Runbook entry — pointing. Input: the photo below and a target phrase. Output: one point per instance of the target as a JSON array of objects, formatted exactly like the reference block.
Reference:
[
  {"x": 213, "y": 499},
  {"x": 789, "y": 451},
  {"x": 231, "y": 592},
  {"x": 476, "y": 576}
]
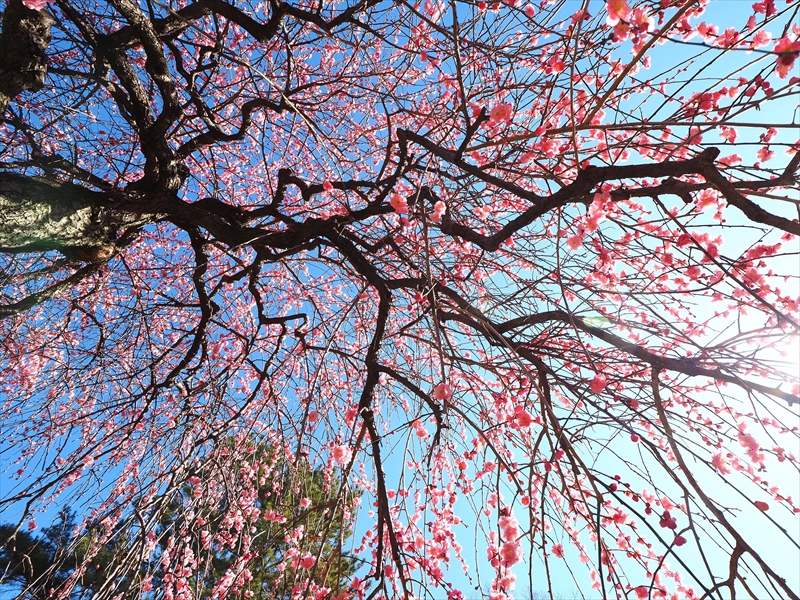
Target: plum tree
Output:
[{"x": 524, "y": 275}]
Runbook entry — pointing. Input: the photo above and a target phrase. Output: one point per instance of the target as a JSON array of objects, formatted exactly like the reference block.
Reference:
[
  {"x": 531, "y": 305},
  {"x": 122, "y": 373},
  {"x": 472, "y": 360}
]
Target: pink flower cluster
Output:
[
  {"x": 442, "y": 392},
  {"x": 36, "y": 4},
  {"x": 751, "y": 446},
  {"x": 438, "y": 211},
  {"x": 618, "y": 10},
  {"x": 341, "y": 454},
  {"x": 598, "y": 383},
  {"x": 720, "y": 462},
  {"x": 522, "y": 418},
  {"x": 788, "y": 51},
  {"x": 668, "y": 521},
  {"x": 500, "y": 114},
  {"x": 308, "y": 561},
  {"x": 419, "y": 428},
  {"x": 399, "y": 204},
  {"x": 626, "y": 21}
]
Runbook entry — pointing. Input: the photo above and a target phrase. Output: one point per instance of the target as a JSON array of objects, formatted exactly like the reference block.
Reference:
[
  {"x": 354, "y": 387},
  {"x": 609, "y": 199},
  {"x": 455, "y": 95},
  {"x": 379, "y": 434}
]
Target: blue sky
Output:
[{"x": 782, "y": 555}]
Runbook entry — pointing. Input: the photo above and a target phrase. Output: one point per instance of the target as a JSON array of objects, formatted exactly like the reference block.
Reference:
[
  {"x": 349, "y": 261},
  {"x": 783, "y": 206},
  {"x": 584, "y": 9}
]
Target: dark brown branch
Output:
[
  {"x": 751, "y": 210},
  {"x": 585, "y": 182}
]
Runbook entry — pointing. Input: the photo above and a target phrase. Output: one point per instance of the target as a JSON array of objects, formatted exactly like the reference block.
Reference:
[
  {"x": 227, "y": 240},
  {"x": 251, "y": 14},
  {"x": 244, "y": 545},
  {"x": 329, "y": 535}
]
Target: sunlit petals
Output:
[
  {"x": 788, "y": 51},
  {"x": 617, "y": 11},
  {"x": 720, "y": 462},
  {"x": 341, "y": 454},
  {"x": 598, "y": 383},
  {"x": 36, "y": 4}
]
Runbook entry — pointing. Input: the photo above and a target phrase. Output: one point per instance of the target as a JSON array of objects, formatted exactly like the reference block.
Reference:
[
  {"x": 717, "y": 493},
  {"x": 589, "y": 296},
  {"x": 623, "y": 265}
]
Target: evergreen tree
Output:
[
  {"x": 37, "y": 563},
  {"x": 292, "y": 496}
]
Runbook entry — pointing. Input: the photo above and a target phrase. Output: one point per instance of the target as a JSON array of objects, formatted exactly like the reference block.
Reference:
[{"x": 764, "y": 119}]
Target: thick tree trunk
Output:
[
  {"x": 23, "y": 42},
  {"x": 38, "y": 215}
]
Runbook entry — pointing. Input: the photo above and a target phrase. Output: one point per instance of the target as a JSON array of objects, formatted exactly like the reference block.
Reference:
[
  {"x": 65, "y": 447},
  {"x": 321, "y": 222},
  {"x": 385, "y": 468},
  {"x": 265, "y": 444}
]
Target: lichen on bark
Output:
[{"x": 40, "y": 215}]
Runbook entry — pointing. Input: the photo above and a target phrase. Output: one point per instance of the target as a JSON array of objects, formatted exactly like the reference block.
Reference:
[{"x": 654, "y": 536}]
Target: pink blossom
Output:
[
  {"x": 751, "y": 447},
  {"x": 350, "y": 416},
  {"x": 438, "y": 211},
  {"x": 581, "y": 15},
  {"x": 341, "y": 454},
  {"x": 761, "y": 39},
  {"x": 598, "y": 384},
  {"x": 510, "y": 554},
  {"x": 789, "y": 51},
  {"x": 762, "y": 506},
  {"x": 593, "y": 221},
  {"x": 667, "y": 521},
  {"x": 731, "y": 160},
  {"x": 308, "y": 561},
  {"x": 575, "y": 242},
  {"x": 443, "y": 392},
  {"x": 327, "y": 186},
  {"x": 642, "y": 592},
  {"x": 720, "y": 462},
  {"x": 481, "y": 212},
  {"x": 399, "y": 204},
  {"x": 530, "y": 11},
  {"x": 641, "y": 21},
  {"x": 622, "y": 31},
  {"x": 706, "y": 198},
  {"x": 558, "y": 550},
  {"x": 36, "y": 4},
  {"x": 521, "y": 417},
  {"x": 708, "y": 31},
  {"x": 509, "y": 528},
  {"x": 500, "y": 113},
  {"x": 618, "y": 10},
  {"x": 730, "y": 37}
]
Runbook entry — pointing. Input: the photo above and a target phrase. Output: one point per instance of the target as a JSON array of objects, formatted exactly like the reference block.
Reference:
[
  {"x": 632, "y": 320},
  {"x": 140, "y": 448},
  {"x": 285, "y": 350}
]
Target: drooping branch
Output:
[
  {"x": 741, "y": 543},
  {"x": 494, "y": 332},
  {"x": 48, "y": 293}
]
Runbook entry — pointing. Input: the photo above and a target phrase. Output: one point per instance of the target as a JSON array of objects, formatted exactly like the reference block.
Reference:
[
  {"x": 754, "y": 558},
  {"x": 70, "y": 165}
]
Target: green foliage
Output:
[
  {"x": 292, "y": 495},
  {"x": 37, "y": 563},
  {"x": 322, "y": 519}
]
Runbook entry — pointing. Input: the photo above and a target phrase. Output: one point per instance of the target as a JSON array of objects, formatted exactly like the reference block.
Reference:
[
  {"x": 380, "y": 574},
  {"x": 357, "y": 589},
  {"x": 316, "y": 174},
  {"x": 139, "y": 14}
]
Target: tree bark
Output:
[
  {"x": 23, "y": 43},
  {"x": 39, "y": 215}
]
